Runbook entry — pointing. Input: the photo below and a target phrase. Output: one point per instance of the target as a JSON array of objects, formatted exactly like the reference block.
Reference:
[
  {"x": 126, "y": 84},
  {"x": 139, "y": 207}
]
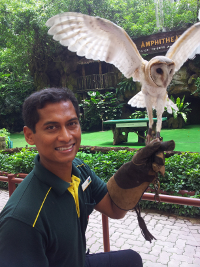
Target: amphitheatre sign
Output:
[{"x": 156, "y": 43}]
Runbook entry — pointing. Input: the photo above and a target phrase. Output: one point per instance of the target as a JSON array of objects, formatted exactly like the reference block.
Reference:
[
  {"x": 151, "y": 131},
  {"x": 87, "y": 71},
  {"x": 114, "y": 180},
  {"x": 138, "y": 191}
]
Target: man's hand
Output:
[{"x": 128, "y": 184}]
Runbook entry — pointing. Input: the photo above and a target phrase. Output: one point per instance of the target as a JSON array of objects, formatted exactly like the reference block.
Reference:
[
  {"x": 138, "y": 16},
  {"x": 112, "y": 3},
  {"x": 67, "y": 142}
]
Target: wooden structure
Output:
[
  {"x": 129, "y": 125},
  {"x": 95, "y": 82}
]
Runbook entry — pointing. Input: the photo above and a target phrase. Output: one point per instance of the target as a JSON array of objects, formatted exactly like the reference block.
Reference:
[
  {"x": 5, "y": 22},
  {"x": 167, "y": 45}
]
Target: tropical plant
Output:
[
  {"x": 29, "y": 57},
  {"x": 99, "y": 107},
  {"x": 125, "y": 85},
  {"x": 6, "y": 134},
  {"x": 197, "y": 83},
  {"x": 139, "y": 114},
  {"x": 182, "y": 172},
  {"x": 183, "y": 108}
]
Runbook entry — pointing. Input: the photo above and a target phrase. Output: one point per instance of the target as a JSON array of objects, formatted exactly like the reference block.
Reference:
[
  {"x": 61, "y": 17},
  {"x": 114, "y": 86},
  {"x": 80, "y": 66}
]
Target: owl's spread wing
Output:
[
  {"x": 185, "y": 46},
  {"x": 97, "y": 39}
]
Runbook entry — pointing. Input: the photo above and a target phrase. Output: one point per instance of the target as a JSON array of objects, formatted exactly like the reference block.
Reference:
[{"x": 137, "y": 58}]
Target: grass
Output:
[{"x": 186, "y": 139}]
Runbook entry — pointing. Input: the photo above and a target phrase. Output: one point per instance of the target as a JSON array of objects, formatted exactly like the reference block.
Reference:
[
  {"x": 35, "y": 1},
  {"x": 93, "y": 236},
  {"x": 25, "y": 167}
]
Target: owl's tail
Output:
[
  {"x": 169, "y": 104},
  {"x": 137, "y": 100}
]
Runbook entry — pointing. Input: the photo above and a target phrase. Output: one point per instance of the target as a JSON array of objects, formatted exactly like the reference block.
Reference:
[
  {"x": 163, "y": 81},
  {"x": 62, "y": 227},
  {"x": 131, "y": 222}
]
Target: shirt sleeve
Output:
[
  {"x": 21, "y": 245},
  {"x": 99, "y": 188}
]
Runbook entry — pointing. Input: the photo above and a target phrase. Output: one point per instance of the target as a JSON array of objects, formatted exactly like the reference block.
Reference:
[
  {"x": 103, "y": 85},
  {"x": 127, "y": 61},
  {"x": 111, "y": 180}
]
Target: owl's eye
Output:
[
  {"x": 170, "y": 72},
  {"x": 159, "y": 71}
]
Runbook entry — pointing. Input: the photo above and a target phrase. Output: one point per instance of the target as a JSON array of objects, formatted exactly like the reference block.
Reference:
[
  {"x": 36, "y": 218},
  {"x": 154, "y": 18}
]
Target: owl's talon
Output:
[
  {"x": 149, "y": 136},
  {"x": 148, "y": 139},
  {"x": 158, "y": 136}
]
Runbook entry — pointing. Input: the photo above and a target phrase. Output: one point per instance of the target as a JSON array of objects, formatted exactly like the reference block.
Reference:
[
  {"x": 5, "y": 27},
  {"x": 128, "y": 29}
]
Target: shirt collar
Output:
[{"x": 52, "y": 180}]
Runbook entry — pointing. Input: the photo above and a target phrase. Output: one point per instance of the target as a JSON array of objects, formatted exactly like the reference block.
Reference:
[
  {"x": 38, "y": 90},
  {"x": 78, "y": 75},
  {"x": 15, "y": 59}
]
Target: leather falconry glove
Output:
[{"x": 129, "y": 183}]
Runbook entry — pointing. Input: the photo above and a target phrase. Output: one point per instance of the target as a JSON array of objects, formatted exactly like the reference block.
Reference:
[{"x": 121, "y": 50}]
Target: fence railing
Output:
[{"x": 97, "y": 81}]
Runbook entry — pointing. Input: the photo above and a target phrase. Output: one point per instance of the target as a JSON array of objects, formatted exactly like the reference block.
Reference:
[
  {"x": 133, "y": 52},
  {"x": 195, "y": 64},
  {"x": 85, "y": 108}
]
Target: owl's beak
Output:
[{"x": 165, "y": 82}]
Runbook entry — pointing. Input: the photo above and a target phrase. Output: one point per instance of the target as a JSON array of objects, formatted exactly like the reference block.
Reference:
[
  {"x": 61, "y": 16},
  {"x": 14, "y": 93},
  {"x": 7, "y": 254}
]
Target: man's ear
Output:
[{"x": 29, "y": 135}]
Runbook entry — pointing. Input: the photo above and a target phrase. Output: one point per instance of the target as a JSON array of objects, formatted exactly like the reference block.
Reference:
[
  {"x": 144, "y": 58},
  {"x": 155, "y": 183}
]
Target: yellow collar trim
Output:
[{"x": 73, "y": 189}]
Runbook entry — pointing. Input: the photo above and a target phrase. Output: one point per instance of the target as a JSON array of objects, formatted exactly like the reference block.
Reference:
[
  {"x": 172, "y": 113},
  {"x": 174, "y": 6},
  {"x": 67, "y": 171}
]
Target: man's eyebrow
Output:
[{"x": 55, "y": 122}]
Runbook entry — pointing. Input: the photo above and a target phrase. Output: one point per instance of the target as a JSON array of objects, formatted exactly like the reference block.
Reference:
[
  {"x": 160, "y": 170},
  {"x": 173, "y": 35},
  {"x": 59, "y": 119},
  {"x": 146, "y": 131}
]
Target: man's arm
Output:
[{"x": 107, "y": 207}]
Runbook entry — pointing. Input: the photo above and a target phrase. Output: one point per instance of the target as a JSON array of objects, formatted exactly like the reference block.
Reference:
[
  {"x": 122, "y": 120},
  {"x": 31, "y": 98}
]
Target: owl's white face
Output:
[{"x": 161, "y": 71}]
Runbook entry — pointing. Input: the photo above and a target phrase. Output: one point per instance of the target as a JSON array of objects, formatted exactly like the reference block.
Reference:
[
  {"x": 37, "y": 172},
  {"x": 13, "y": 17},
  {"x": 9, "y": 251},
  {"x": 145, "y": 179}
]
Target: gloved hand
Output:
[{"x": 129, "y": 183}]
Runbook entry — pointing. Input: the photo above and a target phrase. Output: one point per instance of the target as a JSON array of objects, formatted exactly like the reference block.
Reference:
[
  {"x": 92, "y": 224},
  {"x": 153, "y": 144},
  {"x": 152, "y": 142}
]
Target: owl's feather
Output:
[
  {"x": 185, "y": 46},
  {"x": 98, "y": 39}
]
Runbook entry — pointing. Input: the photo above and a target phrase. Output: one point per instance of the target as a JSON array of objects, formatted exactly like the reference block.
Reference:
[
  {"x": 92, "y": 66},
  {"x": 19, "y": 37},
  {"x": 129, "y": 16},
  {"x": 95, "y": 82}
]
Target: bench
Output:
[{"x": 121, "y": 128}]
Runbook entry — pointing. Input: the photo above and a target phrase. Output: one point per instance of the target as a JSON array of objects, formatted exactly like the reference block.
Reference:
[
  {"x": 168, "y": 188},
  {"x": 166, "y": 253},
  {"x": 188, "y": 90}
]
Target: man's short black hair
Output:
[{"x": 39, "y": 99}]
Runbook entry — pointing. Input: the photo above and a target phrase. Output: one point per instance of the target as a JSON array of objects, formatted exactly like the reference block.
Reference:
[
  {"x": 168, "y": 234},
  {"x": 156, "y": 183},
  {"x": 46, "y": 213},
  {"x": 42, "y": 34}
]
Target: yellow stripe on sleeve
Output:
[{"x": 41, "y": 207}]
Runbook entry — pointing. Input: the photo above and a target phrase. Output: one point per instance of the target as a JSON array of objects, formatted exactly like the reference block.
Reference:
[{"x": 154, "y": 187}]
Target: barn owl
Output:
[{"x": 100, "y": 39}]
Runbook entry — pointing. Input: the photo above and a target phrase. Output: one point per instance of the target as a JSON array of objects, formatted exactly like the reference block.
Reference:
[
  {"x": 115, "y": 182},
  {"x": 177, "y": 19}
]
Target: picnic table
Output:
[{"x": 121, "y": 128}]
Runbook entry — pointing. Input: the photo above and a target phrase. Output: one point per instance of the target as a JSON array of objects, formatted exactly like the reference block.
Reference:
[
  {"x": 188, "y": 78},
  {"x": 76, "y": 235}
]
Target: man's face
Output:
[{"x": 57, "y": 136}]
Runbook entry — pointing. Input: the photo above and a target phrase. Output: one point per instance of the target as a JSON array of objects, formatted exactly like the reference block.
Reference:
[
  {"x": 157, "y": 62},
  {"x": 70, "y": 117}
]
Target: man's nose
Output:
[{"x": 64, "y": 135}]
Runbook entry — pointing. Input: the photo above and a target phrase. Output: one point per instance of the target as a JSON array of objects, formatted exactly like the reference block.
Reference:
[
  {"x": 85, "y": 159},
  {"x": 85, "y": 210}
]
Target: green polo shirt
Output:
[{"x": 39, "y": 225}]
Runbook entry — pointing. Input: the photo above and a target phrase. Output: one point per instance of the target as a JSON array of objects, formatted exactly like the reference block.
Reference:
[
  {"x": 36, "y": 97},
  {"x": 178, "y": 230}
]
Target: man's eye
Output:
[
  {"x": 73, "y": 123},
  {"x": 50, "y": 127}
]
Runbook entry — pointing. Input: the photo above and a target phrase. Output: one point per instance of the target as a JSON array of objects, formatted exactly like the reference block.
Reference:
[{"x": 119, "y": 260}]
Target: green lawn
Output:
[{"x": 187, "y": 139}]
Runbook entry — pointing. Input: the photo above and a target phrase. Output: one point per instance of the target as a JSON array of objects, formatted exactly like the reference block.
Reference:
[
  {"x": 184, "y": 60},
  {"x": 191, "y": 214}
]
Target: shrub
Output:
[
  {"x": 98, "y": 107},
  {"x": 6, "y": 134},
  {"x": 22, "y": 161},
  {"x": 182, "y": 173}
]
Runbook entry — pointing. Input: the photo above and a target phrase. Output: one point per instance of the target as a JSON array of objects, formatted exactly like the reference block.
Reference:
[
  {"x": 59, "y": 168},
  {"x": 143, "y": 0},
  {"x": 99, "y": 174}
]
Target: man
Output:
[{"x": 44, "y": 222}]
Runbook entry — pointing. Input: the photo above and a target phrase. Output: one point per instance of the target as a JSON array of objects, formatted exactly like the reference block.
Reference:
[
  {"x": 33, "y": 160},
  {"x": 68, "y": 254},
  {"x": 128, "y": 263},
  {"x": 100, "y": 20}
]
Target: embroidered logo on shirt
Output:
[{"x": 86, "y": 183}]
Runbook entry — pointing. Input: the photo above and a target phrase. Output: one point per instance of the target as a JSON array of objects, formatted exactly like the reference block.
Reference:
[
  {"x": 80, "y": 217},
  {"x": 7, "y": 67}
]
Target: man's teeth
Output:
[{"x": 64, "y": 148}]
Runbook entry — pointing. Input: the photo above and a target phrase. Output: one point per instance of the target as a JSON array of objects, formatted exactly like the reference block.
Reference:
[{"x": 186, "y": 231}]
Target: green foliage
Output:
[
  {"x": 4, "y": 132},
  {"x": 98, "y": 107},
  {"x": 26, "y": 50},
  {"x": 13, "y": 90},
  {"x": 125, "y": 85},
  {"x": 182, "y": 173},
  {"x": 105, "y": 165},
  {"x": 183, "y": 109},
  {"x": 20, "y": 162},
  {"x": 197, "y": 83},
  {"x": 139, "y": 114}
]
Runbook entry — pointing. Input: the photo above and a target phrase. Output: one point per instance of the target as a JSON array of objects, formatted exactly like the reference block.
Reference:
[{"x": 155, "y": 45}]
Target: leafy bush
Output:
[
  {"x": 105, "y": 165},
  {"x": 182, "y": 173},
  {"x": 139, "y": 114},
  {"x": 20, "y": 162},
  {"x": 6, "y": 134},
  {"x": 197, "y": 83},
  {"x": 125, "y": 85},
  {"x": 183, "y": 109},
  {"x": 98, "y": 107}
]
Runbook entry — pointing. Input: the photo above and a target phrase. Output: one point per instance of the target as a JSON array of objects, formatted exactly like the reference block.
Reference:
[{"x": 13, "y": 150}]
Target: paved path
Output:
[{"x": 177, "y": 244}]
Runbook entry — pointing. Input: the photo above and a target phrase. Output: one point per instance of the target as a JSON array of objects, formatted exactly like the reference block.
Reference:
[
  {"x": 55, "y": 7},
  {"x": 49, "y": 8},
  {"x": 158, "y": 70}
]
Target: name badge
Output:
[{"x": 86, "y": 183}]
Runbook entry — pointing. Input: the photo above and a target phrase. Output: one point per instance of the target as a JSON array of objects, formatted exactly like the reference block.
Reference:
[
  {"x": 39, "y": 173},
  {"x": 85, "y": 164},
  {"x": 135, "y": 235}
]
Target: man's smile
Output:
[{"x": 63, "y": 148}]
